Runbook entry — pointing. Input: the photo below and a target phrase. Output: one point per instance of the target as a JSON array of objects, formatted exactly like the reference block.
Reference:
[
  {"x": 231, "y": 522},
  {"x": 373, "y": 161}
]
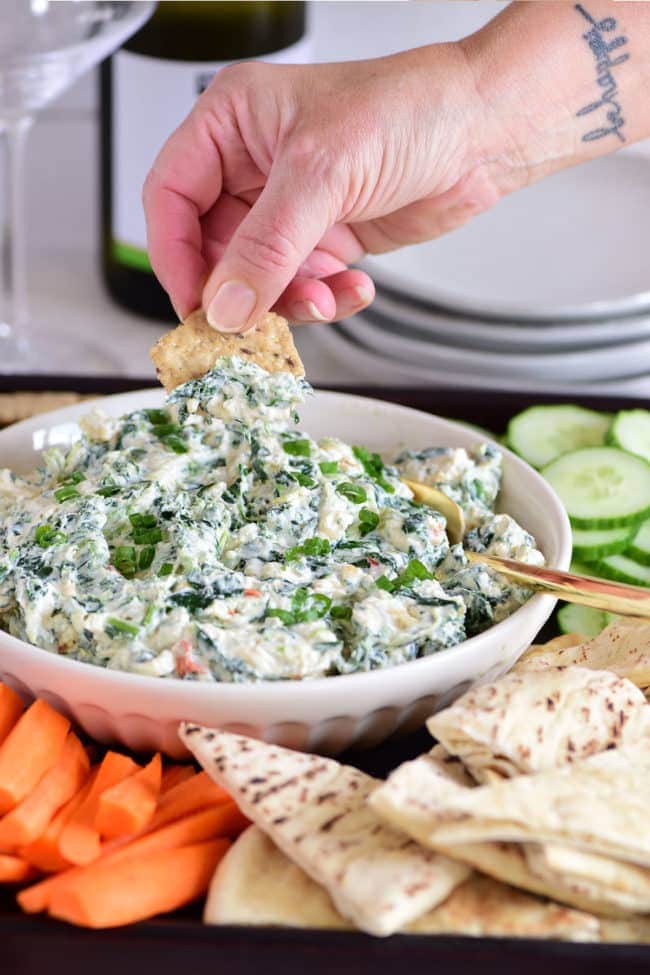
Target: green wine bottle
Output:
[{"x": 147, "y": 89}]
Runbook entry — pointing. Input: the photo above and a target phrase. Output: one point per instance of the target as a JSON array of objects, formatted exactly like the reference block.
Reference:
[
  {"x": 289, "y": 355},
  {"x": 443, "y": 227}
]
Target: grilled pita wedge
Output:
[
  {"x": 527, "y": 722},
  {"x": 623, "y": 647},
  {"x": 599, "y": 805},
  {"x": 256, "y": 884},
  {"x": 316, "y": 811},
  {"x": 417, "y": 788}
]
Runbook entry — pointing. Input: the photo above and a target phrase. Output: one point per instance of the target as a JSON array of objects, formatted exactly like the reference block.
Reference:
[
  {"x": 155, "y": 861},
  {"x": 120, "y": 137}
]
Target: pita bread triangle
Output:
[
  {"x": 316, "y": 811},
  {"x": 256, "y": 884},
  {"x": 527, "y": 722}
]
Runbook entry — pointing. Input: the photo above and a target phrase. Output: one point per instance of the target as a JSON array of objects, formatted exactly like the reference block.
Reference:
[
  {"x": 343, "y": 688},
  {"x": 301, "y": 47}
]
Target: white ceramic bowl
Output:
[{"x": 328, "y": 714}]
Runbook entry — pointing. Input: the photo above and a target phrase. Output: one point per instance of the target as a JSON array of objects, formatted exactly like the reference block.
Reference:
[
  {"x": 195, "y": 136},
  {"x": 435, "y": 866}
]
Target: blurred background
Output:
[{"x": 571, "y": 308}]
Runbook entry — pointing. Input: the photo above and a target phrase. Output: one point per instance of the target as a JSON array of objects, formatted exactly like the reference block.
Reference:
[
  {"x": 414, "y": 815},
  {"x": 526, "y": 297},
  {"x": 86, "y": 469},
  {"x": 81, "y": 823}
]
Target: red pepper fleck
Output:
[{"x": 252, "y": 592}]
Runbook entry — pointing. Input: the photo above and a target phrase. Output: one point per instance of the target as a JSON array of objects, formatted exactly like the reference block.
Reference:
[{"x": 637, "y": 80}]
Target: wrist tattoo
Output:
[{"x": 607, "y": 104}]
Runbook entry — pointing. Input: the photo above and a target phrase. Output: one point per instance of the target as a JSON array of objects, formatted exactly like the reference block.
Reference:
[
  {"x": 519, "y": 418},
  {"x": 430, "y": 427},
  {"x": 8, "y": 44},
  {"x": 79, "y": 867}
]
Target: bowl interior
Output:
[
  {"x": 327, "y": 714},
  {"x": 379, "y": 425}
]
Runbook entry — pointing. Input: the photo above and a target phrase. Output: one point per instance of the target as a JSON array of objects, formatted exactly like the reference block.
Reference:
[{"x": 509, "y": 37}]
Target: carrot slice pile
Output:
[
  {"x": 118, "y": 842},
  {"x": 31, "y": 748},
  {"x": 110, "y": 894},
  {"x": 80, "y": 841},
  {"x": 30, "y": 818},
  {"x": 11, "y": 708},
  {"x": 128, "y": 806}
]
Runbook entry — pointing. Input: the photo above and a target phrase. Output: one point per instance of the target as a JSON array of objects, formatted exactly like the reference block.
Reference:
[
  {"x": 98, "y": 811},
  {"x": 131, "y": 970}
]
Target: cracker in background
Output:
[
  {"x": 21, "y": 405},
  {"x": 192, "y": 348}
]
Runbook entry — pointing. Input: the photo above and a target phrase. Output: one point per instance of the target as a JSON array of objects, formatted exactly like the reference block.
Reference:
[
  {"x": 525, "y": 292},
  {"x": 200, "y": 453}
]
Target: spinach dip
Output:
[{"x": 212, "y": 540}]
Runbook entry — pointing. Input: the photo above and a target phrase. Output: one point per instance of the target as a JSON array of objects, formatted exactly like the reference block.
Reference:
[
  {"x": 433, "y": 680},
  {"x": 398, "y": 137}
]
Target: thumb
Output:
[{"x": 282, "y": 228}]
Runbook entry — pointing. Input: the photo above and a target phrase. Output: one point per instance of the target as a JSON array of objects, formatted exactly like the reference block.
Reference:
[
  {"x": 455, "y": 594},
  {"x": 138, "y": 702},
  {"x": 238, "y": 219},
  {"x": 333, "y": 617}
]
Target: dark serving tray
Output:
[{"x": 37, "y": 945}]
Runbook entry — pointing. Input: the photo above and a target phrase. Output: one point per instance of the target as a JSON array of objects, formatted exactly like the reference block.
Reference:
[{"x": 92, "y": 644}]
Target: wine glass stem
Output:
[{"x": 14, "y": 261}]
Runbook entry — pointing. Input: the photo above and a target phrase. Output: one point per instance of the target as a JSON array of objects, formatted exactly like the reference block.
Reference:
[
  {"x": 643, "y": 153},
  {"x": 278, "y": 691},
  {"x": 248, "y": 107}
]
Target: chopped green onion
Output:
[
  {"x": 148, "y": 536},
  {"x": 329, "y": 466},
  {"x": 148, "y": 616},
  {"x": 297, "y": 448},
  {"x": 124, "y": 560},
  {"x": 341, "y": 612},
  {"x": 45, "y": 536},
  {"x": 368, "y": 520},
  {"x": 164, "y": 429},
  {"x": 174, "y": 442},
  {"x": 143, "y": 521},
  {"x": 65, "y": 493},
  {"x": 165, "y": 569},
  {"x": 146, "y": 557},
  {"x": 74, "y": 478},
  {"x": 115, "y": 626},
  {"x": 109, "y": 490},
  {"x": 353, "y": 492},
  {"x": 156, "y": 417},
  {"x": 304, "y": 480}
]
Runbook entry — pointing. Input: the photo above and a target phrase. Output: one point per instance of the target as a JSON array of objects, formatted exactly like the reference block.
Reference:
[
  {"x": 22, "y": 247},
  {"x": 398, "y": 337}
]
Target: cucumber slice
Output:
[
  {"x": 581, "y": 569},
  {"x": 584, "y": 620},
  {"x": 623, "y": 569},
  {"x": 631, "y": 431},
  {"x": 639, "y": 547},
  {"x": 592, "y": 544},
  {"x": 601, "y": 487},
  {"x": 542, "y": 433}
]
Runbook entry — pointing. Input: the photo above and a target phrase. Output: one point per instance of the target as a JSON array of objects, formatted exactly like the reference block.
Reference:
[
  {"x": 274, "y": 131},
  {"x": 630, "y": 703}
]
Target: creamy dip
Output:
[{"x": 213, "y": 540}]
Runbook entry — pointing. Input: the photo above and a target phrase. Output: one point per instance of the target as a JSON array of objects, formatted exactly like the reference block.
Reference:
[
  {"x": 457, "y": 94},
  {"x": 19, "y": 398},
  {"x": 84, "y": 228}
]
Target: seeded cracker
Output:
[{"x": 191, "y": 349}]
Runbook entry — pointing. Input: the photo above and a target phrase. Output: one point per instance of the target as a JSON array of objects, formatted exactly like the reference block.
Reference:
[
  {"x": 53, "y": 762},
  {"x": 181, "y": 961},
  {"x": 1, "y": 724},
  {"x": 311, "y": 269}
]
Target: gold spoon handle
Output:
[{"x": 611, "y": 597}]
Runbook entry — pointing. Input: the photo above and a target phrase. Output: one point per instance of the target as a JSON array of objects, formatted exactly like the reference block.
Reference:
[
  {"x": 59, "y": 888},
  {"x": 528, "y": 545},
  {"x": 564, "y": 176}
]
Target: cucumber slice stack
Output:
[
  {"x": 601, "y": 487},
  {"x": 584, "y": 620},
  {"x": 599, "y": 465},
  {"x": 542, "y": 433}
]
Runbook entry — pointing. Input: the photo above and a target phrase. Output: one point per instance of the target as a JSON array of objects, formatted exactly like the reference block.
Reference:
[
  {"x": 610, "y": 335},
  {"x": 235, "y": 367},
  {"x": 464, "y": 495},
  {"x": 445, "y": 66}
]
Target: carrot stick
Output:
[
  {"x": 187, "y": 797},
  {"x": 31, "y": 748},
  {"x": 14, "y": 870},
  {"x": 29, "y": 819},
  {"x": 174, "y": 775},
  {"x": 44, "y": 853},
  {"x": 127, "y": 807},
  {"x": 79, "y": 841},
  {"x": 11, "y": 708},
  {"x": 219, "y": 821},
  {"x": 111, "y": 894}
]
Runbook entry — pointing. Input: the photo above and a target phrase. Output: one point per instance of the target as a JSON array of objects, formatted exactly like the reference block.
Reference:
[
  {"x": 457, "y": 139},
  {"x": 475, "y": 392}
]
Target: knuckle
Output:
[{"x": 267, "y": 249}]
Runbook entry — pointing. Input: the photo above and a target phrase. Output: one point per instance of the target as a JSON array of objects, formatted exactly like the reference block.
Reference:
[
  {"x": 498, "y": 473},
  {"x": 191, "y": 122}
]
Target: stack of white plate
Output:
[{"x": 550, "y": 289}]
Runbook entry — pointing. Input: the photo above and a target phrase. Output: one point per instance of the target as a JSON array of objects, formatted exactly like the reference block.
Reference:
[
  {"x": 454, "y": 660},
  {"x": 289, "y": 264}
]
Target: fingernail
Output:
[
  {"x": 364, "y": 294},
  {"x": 306, "y": 311},
  {"x": 231, "y": 307}
]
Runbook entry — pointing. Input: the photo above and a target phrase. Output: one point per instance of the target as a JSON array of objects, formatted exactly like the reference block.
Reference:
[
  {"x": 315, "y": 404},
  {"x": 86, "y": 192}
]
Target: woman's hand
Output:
[{"x": 282, "y": 176}]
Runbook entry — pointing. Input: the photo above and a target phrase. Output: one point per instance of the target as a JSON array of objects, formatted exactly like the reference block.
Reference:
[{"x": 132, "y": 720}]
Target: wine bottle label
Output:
[{"x": 151, "y": 97}]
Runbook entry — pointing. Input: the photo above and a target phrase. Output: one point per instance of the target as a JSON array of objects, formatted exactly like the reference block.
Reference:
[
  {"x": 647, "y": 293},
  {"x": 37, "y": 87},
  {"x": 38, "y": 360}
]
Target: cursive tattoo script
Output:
[{"x": 602, "y": 50}]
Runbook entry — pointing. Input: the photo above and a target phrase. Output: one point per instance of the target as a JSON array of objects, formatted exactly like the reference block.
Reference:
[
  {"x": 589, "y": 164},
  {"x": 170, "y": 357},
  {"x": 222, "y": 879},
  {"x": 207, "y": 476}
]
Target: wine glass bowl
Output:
[{"x": 45, "y": 45}]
